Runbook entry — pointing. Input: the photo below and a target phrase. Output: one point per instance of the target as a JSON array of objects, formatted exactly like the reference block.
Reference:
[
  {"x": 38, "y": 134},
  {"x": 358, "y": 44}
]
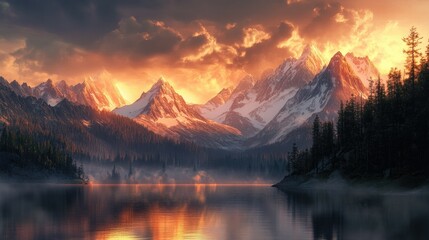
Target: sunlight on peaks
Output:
[
  {"x": 124, "y": 90},
  {"x": 384, "y": 46},
  {"x": 295, "y": 44}
]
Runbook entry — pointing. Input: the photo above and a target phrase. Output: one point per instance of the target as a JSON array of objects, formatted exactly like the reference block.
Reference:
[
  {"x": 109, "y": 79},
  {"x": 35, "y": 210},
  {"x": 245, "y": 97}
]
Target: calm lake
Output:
[{"x": 207, "y": 212}]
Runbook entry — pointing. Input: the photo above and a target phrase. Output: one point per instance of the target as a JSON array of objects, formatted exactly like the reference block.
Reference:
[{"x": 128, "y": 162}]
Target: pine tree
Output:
[
  {"x": 425, "y": 60},
  {"x": 413, "y": 54},
  {"x": 340, "y": 126},
  {"x": 316, "y": 149},
  {"x": 294, "y": 154}
]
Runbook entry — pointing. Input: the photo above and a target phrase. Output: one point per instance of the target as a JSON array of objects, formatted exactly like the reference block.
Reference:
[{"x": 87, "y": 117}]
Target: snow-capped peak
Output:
[
  {"x": 322, "y": 96},
  {"x": 48, "y": 92},
  {"x": 98, "y": 91},
  {"x": 161, "y": 101},
  {"x": 344, "y": 74},
  {"x": 161, "y": 80},
  {"x": 312, "y": 58},
  {"x": 246, "y": 83},
  {"x": 161, "y": 83},
  {"x": 220, "y": 98},
  {"x": 165, "y": 112},
  {"x": 363, "y": 68}
]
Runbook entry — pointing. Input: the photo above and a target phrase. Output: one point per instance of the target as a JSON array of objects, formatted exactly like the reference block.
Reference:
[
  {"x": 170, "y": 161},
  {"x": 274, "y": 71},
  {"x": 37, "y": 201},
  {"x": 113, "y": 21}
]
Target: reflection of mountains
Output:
[
  {"x": 361, "y": 215},
  {"x": 102, "y": 212},
  {"x": 54, "y": 213},
  {"x": 207, "y": 212}
]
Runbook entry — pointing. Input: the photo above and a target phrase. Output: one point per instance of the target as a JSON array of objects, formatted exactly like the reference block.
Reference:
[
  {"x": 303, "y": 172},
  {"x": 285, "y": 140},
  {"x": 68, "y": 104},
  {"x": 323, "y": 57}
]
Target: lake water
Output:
[{"x": 207, "y": 212}]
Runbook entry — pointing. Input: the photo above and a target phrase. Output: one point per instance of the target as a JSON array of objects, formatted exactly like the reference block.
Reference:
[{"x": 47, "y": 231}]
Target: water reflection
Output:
[
  {"x": 362, "y": 214},
  {"x": 206, "y": 212}
]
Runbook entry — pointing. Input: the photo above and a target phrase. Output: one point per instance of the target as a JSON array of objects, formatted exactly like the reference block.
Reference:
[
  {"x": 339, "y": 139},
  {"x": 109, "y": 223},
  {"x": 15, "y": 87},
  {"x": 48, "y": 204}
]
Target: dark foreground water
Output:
[{"x": 207, "y": 212}]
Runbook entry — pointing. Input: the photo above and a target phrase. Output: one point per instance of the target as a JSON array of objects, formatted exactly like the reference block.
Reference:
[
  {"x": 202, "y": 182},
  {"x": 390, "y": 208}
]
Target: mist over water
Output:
[
  {"x": 207, "y": 212},
  {"x": 141, "y": 174}
]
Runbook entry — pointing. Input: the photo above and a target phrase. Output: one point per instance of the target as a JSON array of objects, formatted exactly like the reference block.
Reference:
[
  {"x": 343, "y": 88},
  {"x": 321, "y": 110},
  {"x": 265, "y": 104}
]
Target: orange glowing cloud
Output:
[{"x": 199, "y": 47}]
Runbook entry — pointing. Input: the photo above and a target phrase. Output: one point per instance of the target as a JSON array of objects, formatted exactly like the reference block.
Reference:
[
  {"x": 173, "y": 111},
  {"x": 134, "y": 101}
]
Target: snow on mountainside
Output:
[
  {"x": 251, "y": 110},
  {"x": 217, "y": 107},
  {"x": 97, "y": 92},
  {"x": 337, "y": 83},
  {"x": 275, "y": 109},
  {"x": 363, "y": 68},
  {"x": 218, "y": 100},
  {"x": 48, "y": 92},
  {"x": 165, "y": 112}
]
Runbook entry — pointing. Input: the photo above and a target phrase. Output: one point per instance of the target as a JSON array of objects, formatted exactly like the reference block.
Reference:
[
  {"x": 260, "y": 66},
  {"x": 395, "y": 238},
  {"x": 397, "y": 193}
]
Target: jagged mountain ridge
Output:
[
  {"x": 235, "y": 111},
  {"x": 97, "y": 92},
  {"x": 217, "y": 107},
  {"x": 251, "y": 110},
  {"x": 337, "y": 83},
  {"x": 363, "y": 68},
  {"x": 165, "y": 112},
  {"x": 80, "y": 129}
]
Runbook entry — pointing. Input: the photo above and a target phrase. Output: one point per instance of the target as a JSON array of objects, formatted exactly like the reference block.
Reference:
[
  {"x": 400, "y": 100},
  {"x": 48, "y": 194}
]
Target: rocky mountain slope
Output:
[
  {"x": 97, "y": 91},
  {"x": 257, "y": 104},
  {"x": 337, "y": 83},
  {"x": 165, "y": 112}
]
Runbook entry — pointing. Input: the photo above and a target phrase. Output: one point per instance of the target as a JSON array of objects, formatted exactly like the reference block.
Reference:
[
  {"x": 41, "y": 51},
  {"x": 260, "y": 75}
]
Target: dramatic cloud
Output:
[
  {"x": 266, "y": 52},
  {"x": 200, "y": 46}
]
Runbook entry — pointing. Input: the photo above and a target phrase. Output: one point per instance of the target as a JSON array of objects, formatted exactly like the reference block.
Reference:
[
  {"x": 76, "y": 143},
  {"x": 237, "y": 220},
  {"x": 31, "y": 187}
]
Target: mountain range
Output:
[
  {"x": 253, "y": 106},
  {"x": 165, "y": 112},
  {"x": 277, "y": 108},
  {"x": 95, "y": 91}
]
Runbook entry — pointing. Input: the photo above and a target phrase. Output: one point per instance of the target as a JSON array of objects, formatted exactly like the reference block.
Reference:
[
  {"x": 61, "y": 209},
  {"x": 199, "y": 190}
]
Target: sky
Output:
[{"x": 198, "y": 46}]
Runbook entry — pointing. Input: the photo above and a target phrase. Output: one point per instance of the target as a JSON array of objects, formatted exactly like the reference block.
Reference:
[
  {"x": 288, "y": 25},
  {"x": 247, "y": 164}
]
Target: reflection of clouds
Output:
[{"x": 199, "y": 211}]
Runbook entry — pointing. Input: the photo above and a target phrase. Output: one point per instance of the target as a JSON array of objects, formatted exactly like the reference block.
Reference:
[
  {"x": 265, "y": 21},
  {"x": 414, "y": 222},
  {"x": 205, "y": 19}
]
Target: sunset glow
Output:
[
  {"x": 214, "y": 119},
  {"x": 198, "y": 51}
]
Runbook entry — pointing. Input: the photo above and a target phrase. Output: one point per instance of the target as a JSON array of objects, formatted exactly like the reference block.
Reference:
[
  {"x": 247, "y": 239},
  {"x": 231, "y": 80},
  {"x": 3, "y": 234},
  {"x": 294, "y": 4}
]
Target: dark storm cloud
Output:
[
  {"x": 329, "y": 18},
  {"x": 64, "y": 32},
  {"x": 141, "y": 39},
  {"x": 84, "y": 22},
  {"x": 193, "y": 43},
  {"x": 220, "y": 11},
  {"x": 44, "y": 54},
  {"x": 267, "y": 50},
  {"x": 77, "y": 21},
  {"x": 232, "y": 34}
]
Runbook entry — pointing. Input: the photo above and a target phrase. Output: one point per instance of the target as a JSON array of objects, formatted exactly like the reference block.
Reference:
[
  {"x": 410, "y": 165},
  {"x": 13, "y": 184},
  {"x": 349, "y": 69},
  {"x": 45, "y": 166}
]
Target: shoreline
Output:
[{"x": 335, "y": 182}]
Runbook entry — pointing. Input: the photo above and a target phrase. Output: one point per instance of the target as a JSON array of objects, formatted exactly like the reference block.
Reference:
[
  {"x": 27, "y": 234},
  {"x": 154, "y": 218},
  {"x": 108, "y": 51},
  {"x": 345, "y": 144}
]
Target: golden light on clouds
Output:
[
  {"x": 203, "y": 47},
  {"x": 254, "y": 35},
  {"x": 295, "y": 43},
  {"x": 382, "y": 44}
]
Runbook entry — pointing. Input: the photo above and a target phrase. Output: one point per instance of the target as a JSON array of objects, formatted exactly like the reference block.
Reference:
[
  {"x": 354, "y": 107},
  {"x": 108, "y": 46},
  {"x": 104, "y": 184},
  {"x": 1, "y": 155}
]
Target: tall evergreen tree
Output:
[
  {"x": 413, "y": 40},
  {"x": 317, "y": 146},
  {"x": 427, "y": 53}
]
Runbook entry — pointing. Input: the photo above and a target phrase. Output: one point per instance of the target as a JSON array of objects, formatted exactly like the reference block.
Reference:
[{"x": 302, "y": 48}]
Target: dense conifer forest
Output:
[
  {"x": 384, "y": 135},
  {"x": 34, "y": 156}
]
